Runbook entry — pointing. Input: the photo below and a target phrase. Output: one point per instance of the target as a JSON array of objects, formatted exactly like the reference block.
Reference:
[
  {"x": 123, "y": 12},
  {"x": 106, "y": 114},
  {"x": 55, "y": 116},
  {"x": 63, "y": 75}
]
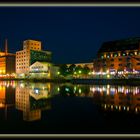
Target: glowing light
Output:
[
  {"x": 80, "y": 71},
  {"x": 58, "y": 89},
  {"x": 67, "y": 89},
  {"x": 108, "y": 76},
  {"x": 80, "y": 90},
  {"x": 128, "y": 108},
  {"x": 58, "y": 72},
  {"x": 36, "y": 91},
  {"x": 124, "y": 107},
  {"x": 119, "y": 107},
  {"x": 105, "y": 106},
  {"x": 107, "y": 71},
  {"x": 136, "y": 109}
]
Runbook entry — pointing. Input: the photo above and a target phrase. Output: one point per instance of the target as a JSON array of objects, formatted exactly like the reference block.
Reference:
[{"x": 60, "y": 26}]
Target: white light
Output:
[{"x": 36, "y": 91}]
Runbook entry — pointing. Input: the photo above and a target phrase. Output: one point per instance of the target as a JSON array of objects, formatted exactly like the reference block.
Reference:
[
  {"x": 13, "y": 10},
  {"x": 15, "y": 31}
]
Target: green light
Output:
[
  {"x": 80, "y": 71},
  {"x": 58, "y": 89},
  {"x": 58, "y": 72},
  {"x": 75, "y": 72},
  {"x": 66, "y": 89}
]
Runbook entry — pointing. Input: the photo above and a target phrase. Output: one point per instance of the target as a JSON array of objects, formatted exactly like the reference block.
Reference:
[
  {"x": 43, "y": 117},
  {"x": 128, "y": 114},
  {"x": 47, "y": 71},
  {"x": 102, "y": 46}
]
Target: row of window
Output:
[
  {"x": 21, "y": 60},
  {"x": 19, "y": 53},
  {"x": 122, "y": 54},
  {"x": 22, "y": 56},
  {"x": 21, "y": 67},
  {"x": 21, "y": 64},
  {"x": 36, "y": 44},
  {"x": 35, "y": 48},
  {"x": 37, "y": 67},
  {"x": 112, "y": 60},
  {"x": 119, "y": 64}
]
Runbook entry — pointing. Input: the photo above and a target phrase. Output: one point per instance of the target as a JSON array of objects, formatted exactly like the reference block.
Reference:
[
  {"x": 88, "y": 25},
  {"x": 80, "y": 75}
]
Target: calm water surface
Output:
[{"x": 66, "y": 108}]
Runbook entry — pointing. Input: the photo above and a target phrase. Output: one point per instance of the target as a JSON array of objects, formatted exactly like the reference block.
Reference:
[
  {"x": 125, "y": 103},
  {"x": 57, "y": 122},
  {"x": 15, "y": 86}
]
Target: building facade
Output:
[
  {"x": 31, "y": 53},
  {"x": 118, "y": 55},
  {"x": 7, "y": 63}
]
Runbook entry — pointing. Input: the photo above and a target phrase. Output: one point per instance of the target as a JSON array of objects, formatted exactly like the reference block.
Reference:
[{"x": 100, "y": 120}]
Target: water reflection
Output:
[
  {"x": 109, "y": 97},
  {"x": 7, "y": 96},
  {"x": 33, "y": 98}
]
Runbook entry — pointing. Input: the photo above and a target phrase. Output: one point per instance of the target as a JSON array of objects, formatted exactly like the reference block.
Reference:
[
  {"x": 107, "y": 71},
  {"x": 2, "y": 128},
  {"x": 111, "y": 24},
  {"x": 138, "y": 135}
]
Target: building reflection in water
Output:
[
  {"x": 32, "y": 98},
  {"x": 7, "y": 96},
  {"x": 121, "y": 98},
  {"x": 110, "y": 97}
]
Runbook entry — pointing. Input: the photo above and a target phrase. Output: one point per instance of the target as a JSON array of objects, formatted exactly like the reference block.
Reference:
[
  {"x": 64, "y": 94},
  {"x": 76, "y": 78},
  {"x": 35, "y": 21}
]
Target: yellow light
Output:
[
  {"x": 107, "y": 71},
  {"x": 108, "y": 76}
]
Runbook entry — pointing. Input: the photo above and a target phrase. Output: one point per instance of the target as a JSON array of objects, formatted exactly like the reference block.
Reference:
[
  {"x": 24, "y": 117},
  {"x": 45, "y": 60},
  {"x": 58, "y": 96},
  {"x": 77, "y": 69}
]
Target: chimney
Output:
[{"x": 6, "y": 47}]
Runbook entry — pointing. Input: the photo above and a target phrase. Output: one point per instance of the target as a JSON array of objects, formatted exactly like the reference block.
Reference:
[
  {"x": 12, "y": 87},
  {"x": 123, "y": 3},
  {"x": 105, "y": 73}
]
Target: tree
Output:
[
  {"x": 79, "y": 70},
  {"x": 86, "y": 70},
  {"x": 72, "y": 68},
  {"x": 64, "y": 70}
]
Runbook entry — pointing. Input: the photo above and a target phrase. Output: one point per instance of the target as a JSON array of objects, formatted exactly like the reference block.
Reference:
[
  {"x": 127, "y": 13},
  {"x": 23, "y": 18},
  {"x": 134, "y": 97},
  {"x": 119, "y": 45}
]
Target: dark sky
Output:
[{"x": 73, "y": 34}]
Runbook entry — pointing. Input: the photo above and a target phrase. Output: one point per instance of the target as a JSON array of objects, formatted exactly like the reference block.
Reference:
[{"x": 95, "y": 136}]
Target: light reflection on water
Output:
[{"x": 32, "y": 98}]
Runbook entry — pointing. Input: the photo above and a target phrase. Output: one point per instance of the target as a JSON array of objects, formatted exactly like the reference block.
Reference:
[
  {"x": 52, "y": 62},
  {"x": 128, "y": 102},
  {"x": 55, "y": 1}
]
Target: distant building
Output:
[
  {"x": 30, "y": 54},
  {"x": 118, "y": 56},
  {"x": 7, "y": 62},
  {"x": 89, "y": 65}
]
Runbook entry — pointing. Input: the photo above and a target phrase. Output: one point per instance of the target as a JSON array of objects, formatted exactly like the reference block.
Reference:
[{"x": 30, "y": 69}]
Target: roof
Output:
[{"x": 120, "y": 45}]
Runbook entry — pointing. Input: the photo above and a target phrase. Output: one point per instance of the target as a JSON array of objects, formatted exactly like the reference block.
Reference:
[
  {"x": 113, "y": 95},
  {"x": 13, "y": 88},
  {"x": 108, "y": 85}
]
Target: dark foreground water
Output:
[{"x": 64, "y": 108}]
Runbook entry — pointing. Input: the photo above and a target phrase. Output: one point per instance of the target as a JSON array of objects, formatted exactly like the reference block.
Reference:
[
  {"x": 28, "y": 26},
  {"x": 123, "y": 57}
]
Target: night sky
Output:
[{"x": 73, "y": 34}]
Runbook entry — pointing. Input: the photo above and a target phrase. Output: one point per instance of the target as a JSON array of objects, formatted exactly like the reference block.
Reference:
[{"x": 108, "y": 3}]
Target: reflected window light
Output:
[
  {"x": 124, "y": 107},
  {"x": 111, "y": 106},
  {"x": 107, "y": 92},
  {"x": 128, "y": 108},
  {"x": 105, "y": 106},
  {"x": 116, "y": 107},
  {"x": 108, "y": 86},
  {"x": 119, "y": 107},
  {"x": 66, "y": 89},
  {"x": 92, "y": 89},
  {"x": 136, "y": 109},
  {"x": 36, "y": 91}
]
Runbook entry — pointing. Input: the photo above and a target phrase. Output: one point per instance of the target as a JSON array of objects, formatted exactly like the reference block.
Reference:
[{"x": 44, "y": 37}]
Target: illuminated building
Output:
[
  {"x": 118, "y": 56},
  {"x": 30, "y": 54},
  {"x": 43, "y": 70},
  {"x": 40, "y": 69},
  {"x": 7, "y": 62}
]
